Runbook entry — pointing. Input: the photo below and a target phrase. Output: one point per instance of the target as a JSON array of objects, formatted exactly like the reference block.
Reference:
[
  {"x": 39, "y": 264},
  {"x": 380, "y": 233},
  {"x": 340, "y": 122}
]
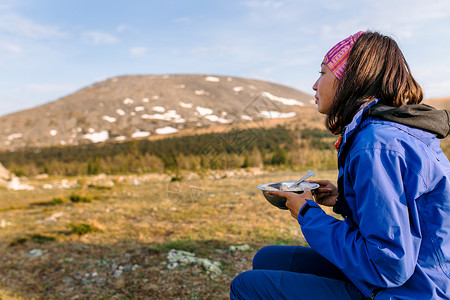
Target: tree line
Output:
[{"x": 239, "y": 148}]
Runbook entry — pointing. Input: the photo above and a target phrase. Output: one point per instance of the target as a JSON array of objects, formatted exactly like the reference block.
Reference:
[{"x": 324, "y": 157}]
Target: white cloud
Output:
[
  {"x": 123, "y": 28},
  {"x": 15, "y": 24},
  {"x": 400, "y": 19},
  {"x": 9, "y": 48},
  {"x": 262, "y": 3},
  {"x": 99, "y": 38},
  {"x": 138, "y": 51}
]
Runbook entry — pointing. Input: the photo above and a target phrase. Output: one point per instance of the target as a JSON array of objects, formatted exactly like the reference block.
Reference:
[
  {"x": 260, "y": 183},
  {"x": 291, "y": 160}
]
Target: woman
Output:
[{"x": 393, "y": 190}]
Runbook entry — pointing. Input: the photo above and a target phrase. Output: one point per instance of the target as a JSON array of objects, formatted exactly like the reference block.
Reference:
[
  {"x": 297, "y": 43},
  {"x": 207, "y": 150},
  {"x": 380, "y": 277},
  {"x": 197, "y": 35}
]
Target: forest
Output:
[{"x": 278, "y": 147}]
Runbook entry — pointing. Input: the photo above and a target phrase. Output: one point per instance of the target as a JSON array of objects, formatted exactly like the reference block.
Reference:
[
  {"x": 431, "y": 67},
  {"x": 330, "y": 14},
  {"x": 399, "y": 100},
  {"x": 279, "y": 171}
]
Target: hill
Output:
[
  {"x": 439, "y": 103},
  {"x": 149, "y": 106}
]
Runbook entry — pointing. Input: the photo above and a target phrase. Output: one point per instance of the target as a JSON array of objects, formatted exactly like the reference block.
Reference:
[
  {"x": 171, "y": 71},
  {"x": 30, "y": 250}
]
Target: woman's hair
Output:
[{"x": 376, "y": 68}]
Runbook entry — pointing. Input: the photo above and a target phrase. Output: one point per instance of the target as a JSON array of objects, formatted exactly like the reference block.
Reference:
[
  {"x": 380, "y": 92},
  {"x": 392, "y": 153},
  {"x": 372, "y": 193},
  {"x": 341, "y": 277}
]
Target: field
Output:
[{"x": 108, "y": 237}]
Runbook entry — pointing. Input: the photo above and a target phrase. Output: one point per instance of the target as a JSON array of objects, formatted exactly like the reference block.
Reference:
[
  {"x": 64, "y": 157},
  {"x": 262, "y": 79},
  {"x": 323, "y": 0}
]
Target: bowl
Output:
[{"x": 275, "y": 186}]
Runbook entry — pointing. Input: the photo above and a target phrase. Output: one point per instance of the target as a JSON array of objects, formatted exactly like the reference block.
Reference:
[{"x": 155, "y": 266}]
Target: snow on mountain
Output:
[{"x": 129, "y": 107}]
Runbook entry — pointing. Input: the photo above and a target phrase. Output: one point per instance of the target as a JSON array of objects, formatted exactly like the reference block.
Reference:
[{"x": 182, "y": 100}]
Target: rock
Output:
[
  {"x": 35, "y": 253},
  {"x": 16, "y": 185},
  {"x": 244, "y": 247},
  {"x": 4, "y": 223},
  {"x": 180, "y": 257},
  {"x": 4, "y": 173}
]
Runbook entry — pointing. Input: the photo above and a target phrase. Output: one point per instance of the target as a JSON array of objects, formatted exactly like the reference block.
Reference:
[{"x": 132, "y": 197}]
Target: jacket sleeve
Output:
[{"x": 382, "y": 249}]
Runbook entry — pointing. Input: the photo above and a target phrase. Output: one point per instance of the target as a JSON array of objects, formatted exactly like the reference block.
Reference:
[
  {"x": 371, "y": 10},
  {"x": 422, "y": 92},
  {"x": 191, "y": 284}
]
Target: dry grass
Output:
[{"x": 124, "y": 256}]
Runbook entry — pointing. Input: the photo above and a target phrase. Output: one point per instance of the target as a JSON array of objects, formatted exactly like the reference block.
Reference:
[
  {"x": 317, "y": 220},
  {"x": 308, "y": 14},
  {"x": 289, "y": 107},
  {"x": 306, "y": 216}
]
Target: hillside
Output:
[
  {"x": 439, "y": 103},
  {"x": 149, "y": 106}
]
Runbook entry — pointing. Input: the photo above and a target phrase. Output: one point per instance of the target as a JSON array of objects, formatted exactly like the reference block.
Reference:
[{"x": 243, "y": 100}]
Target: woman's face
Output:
[{"x": 325, "y": 88}]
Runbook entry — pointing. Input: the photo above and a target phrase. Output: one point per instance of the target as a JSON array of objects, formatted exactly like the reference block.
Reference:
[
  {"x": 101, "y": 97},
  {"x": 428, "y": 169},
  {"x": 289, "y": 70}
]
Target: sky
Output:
[{"x": 52, "y": 48}]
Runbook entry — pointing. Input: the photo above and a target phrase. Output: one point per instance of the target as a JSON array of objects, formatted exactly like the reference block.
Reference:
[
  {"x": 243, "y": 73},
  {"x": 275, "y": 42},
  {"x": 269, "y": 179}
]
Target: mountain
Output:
[
  {"x": 150, "y": 106},
  {"x": 439, "y": 103}
]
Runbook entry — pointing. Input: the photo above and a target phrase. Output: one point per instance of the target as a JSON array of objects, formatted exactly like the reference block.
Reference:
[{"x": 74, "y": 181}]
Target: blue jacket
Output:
[{"x": 394, "y": 182}]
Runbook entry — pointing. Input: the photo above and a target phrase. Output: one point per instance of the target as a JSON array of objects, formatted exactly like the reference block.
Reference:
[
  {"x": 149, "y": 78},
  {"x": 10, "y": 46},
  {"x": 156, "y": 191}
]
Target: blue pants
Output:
[{"x": 292, "y": 272}]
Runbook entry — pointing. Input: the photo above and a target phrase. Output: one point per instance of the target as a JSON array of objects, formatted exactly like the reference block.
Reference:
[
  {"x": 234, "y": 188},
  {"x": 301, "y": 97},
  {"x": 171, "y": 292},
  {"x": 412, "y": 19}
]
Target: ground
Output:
[{"x": 108, "y": 237}]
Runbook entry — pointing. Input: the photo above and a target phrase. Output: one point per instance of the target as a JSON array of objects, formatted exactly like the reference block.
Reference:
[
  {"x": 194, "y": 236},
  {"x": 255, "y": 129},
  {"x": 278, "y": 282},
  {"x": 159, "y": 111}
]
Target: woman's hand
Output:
[
  {"x": 326, "y": 194},
  {"x": 294, "y": 202}
]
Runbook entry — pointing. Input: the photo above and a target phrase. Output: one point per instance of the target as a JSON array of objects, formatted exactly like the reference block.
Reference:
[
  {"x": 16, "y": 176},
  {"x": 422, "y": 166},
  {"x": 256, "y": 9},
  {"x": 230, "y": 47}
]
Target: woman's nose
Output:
[{"x": 314, "y": 87}]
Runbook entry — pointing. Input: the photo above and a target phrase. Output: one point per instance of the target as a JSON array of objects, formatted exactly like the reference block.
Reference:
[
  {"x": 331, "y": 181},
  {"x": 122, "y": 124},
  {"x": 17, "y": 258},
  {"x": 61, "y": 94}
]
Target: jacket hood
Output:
[{"x": 420, "y": 116}]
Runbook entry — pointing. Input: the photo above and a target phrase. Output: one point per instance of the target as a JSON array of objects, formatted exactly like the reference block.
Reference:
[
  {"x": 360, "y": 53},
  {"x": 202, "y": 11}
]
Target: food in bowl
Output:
[{"x": 284, "y": 186}]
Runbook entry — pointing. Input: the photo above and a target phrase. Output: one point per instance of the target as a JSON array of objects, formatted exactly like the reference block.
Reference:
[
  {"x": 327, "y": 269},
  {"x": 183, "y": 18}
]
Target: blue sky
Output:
[{"x": 51, "y": 48}]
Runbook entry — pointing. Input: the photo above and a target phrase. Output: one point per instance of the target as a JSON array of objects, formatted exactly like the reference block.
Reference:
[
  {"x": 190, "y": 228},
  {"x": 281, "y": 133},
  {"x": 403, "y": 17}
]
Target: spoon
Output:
[{"x": 308, "y": 174}]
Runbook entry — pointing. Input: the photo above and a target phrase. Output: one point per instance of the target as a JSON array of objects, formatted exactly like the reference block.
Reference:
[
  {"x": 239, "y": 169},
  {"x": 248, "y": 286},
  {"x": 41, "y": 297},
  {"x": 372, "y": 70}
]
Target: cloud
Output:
[
  {"x": 123, "y": 28},
  {"x": 17, "y": 25},
  {"x": 262, "y": 4},
  {"x": 138, "y": 51},
  {"x": 99, "y": 38},
  {"x": 9, "y": 48}
]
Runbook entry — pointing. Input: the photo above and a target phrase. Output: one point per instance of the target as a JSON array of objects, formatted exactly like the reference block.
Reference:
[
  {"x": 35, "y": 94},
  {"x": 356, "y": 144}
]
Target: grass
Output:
[{"x": 115, "y": 247}]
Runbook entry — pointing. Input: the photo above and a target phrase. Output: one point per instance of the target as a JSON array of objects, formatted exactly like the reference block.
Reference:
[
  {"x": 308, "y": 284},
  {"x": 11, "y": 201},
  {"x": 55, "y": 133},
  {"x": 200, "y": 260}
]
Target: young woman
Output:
[{"x": 393, "y": 190}]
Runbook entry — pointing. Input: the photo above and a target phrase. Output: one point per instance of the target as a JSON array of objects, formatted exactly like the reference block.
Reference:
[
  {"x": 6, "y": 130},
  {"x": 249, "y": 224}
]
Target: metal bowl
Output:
[{"x": 275, "y": 186}]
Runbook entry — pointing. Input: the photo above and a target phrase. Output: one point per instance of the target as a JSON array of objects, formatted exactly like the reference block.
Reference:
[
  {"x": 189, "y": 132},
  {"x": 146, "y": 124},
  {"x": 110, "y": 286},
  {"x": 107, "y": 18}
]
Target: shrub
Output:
[
  {"x": 18, "y": 241},
  {"x": 39, "y": 238},
  {"x": 83, "y": 228},
  {"x": 78, "y": 198},
  {"x": 57, "y": 200}
]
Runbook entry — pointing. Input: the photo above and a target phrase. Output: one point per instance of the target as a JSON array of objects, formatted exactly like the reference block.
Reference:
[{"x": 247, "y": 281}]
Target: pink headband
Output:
[{"x": 336, "y": 58}]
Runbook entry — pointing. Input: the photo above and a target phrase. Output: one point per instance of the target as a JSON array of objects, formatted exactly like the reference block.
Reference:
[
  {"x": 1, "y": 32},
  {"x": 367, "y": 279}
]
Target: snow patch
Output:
[
  {"x": 159, "y": 109},
  {"x": 120, "y": 112},
  {"x": 238, "y": 89},
  {"x": 166, "y": 130},
  {"x": 246, "y": 118},
  {"x": 170, "y": 115},
  {"x": 139, "y": 108},
  {"x": 109, "y": 119},
  {"x": 120, "y": 138},
  {"x": 214, "y": 118},
  {"x": 140, "y": 134},
  {"x": 185, "y": 105},
  {"x": 15, "y": 136},
  {"x": 203, "y": 111},
  {"x": 145, "y": 100},
  {"x": 212, "y": 79},
  {"x": 276, "y": 114},
  {"x": 97, "y": 137},
  {"x": 156, "y": 97},
  {"x": 201, "y": 93},
  {"x": 128, "y": 101},
  {"x": 53, "y": 132},
  {"x": 285, "y": 101}
]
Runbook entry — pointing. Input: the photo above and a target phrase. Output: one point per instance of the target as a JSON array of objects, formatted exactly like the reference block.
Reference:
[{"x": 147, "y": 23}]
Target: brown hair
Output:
[{"x": 376, "y": 68}]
